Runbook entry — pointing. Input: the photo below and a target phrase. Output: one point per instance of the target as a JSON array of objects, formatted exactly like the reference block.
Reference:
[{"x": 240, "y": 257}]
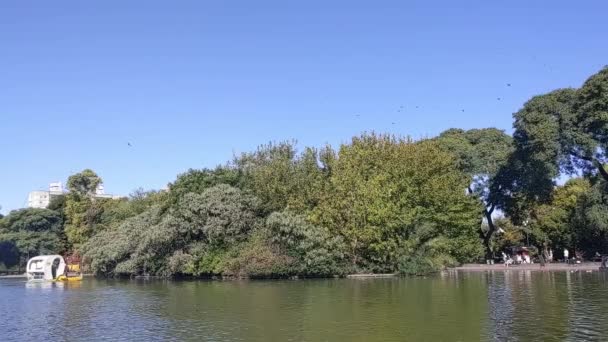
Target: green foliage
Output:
[
  {"x": 197, "y": 181},
  {"x": 82, "y": 215},
  {"x": 29, "y": 232},
  {"x": 314, "y": 250},
  {"x": 84, "y": 183},
  {"x": 563, "y": 131},
  {"x": 9, "y": 254},
  {"x": 384, "y": 190},
  {"x": 257, "y": 259},
  {"x": 510, "y": 235},
  {"x": 282, "y": 178},
  {"x": 33, "y": 220},
  {"x": 82, "y": 212},
  {"x": 591, "y": 138},
  {"x": 479, "y": 152},
  {"x": 169, "y": 244},
  {"x": 109, "y": 248},
  {"x": 551, "y": 223},
  {"x": 425, "y": 260},
  {"x": 590, "y": 219},
  {"x": 57, "y": 203},
  {"x": 544, "y": 135},
  {"x": 483, "y": 155}
]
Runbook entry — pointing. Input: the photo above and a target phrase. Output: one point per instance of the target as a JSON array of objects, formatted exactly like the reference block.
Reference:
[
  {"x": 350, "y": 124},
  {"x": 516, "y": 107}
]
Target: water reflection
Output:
[{"x": 500, "y": 306}]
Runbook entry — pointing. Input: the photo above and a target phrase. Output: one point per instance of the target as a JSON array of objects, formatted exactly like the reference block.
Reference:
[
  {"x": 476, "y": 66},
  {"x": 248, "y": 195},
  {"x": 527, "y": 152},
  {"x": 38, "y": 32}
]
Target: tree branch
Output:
[
  {"x": 491, "y": 210},
  {"x": 601, "y": 169},
  {"x": 597, "y": 163}
]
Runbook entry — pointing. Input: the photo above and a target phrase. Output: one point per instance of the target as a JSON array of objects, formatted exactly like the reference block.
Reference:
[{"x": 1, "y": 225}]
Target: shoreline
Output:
[
  {"x": 585, "y": 266},
  {"x": 13, "y": 276}
]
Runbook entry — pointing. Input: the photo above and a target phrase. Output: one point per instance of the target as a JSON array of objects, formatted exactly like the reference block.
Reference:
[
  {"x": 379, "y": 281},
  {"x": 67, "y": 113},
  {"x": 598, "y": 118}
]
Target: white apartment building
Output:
[{"x": 41, "y": 198}]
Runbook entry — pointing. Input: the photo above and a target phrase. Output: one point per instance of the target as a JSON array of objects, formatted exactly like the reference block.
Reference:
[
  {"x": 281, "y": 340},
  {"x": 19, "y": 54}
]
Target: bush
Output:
[
  {"x": 258, "y": 259},
  {"x": 314, "y": 249}
]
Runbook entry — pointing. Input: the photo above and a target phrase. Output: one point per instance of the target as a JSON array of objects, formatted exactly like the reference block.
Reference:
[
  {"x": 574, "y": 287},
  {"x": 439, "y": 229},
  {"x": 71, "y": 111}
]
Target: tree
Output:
[
  {"x": 384, "y": 192},
  {"x": 33, "y": 232},
  {"x": 314, "y": 249},
  {"x": 590, "y": 221},
  {"x": 590, "y": 139},
  {"x": 33, "y": 220},
  {"x": 82, "y": 218},
  {"x": 561, "y": 132},
  {"x": 9, "y": 253},
  {"x": 283, "y": 178},
  {"x": 84, "y": 183},
  {"x": 167, "y": 243},
  {"x": 82, "y": 211},
  {"x": 481, "y": 154},
  {"x": 197, "y": 181},
  {"x": 552, "y": 224},
  {"x": 57, "y": 203}
]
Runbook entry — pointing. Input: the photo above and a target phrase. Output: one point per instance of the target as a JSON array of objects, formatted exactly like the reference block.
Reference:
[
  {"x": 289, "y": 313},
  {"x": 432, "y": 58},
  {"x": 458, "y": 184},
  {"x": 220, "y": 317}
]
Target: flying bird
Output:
[
  {"x": 129, "y": 144},
  {"x": 462, "y": 110},
  {"x": 498, "y": 98},
  {"x": 508, "y": 84}
]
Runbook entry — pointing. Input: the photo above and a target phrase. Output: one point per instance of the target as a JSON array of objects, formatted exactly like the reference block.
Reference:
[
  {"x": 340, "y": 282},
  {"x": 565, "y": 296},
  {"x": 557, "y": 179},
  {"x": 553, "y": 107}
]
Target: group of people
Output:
[
  {"x": 524, "y": 258},
  {"x": 520, "y": 258}
]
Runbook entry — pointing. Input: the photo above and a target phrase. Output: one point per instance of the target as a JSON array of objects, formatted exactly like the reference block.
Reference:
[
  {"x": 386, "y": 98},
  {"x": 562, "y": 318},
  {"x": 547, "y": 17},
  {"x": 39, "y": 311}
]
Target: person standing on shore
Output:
[
  {"x": 566, "y": 255},
  {"x": 541, "y": 258}
]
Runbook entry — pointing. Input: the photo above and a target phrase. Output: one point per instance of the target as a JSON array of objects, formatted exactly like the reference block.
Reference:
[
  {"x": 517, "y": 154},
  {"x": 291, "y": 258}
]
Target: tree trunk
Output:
[{"x": 487, "y": 236}]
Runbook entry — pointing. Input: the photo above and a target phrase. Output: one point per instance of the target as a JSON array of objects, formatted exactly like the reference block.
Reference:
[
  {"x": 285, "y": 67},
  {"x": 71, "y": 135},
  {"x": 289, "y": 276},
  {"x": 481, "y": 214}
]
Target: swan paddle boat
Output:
[{"x": 45, "y": 268}]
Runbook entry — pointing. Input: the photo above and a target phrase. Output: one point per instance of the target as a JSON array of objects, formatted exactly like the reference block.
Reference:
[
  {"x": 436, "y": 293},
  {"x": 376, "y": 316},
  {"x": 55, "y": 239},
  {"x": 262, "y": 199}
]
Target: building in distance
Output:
[{"x": 41, "y": 198}]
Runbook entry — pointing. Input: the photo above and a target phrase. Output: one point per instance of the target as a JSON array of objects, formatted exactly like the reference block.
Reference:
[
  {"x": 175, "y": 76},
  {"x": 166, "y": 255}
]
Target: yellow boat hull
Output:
[{"x": 64, "y": 278}]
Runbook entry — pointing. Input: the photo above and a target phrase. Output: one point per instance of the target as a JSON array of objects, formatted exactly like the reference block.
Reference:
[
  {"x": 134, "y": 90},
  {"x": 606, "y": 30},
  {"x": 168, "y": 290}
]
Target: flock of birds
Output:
[{"x": 402, "y": 108}]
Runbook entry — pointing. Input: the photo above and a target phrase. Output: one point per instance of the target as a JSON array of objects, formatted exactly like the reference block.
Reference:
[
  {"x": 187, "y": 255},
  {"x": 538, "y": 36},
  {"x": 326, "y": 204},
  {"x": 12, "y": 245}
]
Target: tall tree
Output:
[
  {"x": 389, "y": 197},
  {"x": 82, "y": 211},
  {"x": 84, "y": 183},
  {"x": 561, "y": 132},
  {"x": 591, "y": 138},
  {"x": 590, "y": 223},
  {"x": 481, "y": 154}
]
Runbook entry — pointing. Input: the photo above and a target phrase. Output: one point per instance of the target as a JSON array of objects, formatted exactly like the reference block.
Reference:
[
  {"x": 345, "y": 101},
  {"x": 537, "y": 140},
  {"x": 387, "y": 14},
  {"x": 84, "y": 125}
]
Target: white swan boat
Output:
[{"x": 45, "y": 268}]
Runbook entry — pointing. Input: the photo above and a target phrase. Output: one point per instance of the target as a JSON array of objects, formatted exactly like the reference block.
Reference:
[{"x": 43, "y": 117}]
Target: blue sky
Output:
[{"x": 189, "y": 83}]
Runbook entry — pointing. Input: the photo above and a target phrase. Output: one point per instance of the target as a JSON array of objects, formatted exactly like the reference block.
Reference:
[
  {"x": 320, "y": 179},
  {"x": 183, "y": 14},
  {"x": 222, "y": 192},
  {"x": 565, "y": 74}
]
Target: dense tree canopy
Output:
[
  {"x": 481, "y": 154},
  {"x": 29, "y": 232},
  {"x": 590, "y": 140},
  {"x": 389, "y": 197},
  {"x": 564, "y": 131},
  {"x": 84, "y": 183}
]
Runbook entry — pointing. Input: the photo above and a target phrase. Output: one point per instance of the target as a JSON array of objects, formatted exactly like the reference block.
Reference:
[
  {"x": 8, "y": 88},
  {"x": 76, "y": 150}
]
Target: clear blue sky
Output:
[{"x": 189, "y": 83}]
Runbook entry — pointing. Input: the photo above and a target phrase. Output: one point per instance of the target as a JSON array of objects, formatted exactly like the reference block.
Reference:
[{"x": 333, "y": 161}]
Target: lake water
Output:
[{"x": 493, "y": 306}]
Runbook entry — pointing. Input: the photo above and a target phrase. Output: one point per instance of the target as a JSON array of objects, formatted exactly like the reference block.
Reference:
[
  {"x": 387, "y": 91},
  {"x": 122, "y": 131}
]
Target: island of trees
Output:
[{"x": 380, "y": 203}]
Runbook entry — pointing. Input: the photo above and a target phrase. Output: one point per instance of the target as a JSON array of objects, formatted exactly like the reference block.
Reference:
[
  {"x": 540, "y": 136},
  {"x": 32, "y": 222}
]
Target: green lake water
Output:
[{"x": 492, "y": 306}]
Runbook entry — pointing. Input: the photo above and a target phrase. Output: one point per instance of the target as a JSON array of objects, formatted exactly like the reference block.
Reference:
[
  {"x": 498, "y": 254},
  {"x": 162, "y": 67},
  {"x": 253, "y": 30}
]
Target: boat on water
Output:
[{"x": 44, "y": 268}]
